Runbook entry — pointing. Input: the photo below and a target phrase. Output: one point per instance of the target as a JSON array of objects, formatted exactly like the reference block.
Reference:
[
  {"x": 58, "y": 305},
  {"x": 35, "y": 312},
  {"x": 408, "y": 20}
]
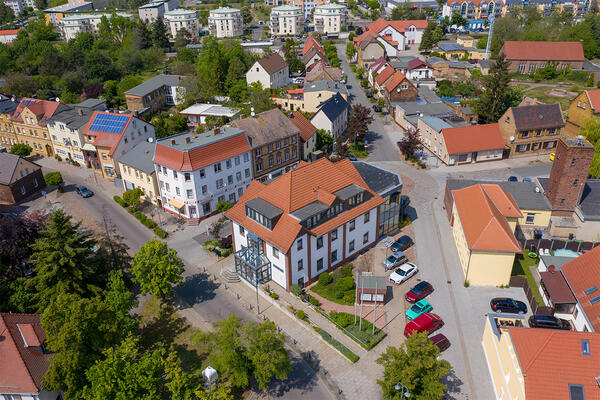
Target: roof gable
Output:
[
  {"x": 272, "y": 63},
  {"x": 538, "y": 116},
  {"x": 395, "y": 80},
  {"x": 310, "y": 43},
  {"x": 334, "y": 107},
  {"x": 384, "y": 75},
  {"x": 307, "y": 129}
]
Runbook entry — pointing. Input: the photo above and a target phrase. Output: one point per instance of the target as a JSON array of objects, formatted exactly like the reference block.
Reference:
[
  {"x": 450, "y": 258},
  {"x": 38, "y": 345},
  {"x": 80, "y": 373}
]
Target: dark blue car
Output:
[{"x": 403, "y": 243}]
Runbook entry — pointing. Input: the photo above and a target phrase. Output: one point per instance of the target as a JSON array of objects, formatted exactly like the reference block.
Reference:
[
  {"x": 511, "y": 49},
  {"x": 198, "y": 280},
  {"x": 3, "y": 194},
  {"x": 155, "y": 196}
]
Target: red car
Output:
[
  {"x": 440, "y": 341},
  {"x": 419, "y": 292},
  {"x": 427, "y": 322}
]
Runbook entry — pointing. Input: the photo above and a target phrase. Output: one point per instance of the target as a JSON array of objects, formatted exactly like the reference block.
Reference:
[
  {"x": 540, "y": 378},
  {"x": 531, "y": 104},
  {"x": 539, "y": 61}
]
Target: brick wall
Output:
[{"x": 13, "y": 194}]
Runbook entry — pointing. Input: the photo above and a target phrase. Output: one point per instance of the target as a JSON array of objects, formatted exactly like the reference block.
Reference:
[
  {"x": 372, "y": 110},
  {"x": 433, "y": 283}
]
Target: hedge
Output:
[
  {"x": 340, "y": 347},
  {"x": 160, "y": 233},
  {"x": 121, "y": 202}
]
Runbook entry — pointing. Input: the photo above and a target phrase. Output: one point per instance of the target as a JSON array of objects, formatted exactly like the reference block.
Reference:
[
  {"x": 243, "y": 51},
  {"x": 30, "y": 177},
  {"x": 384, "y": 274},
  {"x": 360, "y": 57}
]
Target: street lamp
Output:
[{"x": 405, "y": 392}]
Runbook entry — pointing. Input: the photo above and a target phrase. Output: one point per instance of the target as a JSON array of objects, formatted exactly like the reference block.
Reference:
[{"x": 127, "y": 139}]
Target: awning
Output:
[
  {"x": 89, "y": 147},
  {"x": 296, "y": 91},
  {"x": 176, "y": 203}
]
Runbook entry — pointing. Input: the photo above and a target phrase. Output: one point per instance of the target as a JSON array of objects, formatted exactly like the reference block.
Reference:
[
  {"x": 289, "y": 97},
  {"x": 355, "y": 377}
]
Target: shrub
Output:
[
  {"x": 223, "y": 206},
  {"x": 342, "y": 319},
  {"x": 344, "y": 284},
  {"x": 274, "y": 295},
  {"x": 296, "y": 290},
  {"x": 225, "y": 252},
  {"x": 53, "y": 178},
  {"x": 21, "y": 149},
  {"x": 133, "y": 196},
  {"x": 339, "y": 295},
  {"x": 325, "y": 279},
  {"x": 301, "y": 314},
  {"x": 466, "y": 284},
  {"x": 160, "y": 233},
  {"x": 121, "y": 202},
  {"x": 210, "y": 245},
  {"x": 313, "y": 300},
  {"x": 138, "y": 215},
  {"x": 131, "y": 209},
  {"x": 149, "y": 223},
  {"x": 349, "y": 296},
  {"x": 226, "y": 242}
]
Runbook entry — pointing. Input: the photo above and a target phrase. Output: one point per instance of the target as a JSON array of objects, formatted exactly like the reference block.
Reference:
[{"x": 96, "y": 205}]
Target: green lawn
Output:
[
  {"x": 521, "y": 268},
  {"x": 359, "y": 150},
  {"x": 361, "y": 334},
  {"x": 540, "y": 94},
  {"x": 339, "y": 289}
]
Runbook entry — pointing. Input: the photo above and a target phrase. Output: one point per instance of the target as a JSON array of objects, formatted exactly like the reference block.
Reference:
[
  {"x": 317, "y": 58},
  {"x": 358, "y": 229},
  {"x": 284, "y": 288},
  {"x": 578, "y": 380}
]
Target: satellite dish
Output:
[
  {"x": 537, "y": 189},
  {"x": 512, "y": 138},
  {"x": 57, "y": 100}
]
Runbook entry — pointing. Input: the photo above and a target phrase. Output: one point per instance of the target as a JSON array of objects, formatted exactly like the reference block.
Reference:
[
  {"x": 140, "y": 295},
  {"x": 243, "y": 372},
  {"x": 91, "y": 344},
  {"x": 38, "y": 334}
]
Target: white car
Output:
[{"x": 402, "y": 274}]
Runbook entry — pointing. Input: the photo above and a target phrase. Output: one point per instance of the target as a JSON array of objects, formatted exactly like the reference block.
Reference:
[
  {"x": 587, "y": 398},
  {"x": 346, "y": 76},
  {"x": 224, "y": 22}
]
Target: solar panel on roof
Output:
[
  {"x": 595, "y": 300},
  {"x": 590, "y": 290},
  {"x": 28, "y": 102},
  {"x": 109, "y": 123}
]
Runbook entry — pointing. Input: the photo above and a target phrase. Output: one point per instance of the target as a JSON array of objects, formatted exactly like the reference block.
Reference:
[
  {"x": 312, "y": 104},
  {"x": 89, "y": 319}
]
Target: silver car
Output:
[{"x": 394, "y": 260}]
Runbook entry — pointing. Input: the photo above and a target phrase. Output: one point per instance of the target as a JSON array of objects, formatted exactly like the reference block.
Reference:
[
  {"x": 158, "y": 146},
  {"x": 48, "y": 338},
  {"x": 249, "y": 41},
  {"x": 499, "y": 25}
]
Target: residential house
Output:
[
  {"x": 156, "y": 93},
  {"x": 180, "y": 19},
  {"x": 321, "y": 71},
  {"x": 382, "y": 77},
  {"x": 532, "y": 202},
  {"x": 527, "y": 57},
  {"x": 308, "y": 135},
  {"x": 374, "y": 69},
  {"x": 533, "y": 129},
  {"x": 309, "y": 98},
  {"x": 112, "y": 135},
  {"x": 407, "y": 113},
  {"x": 456, "y": 50},
  {"x": 368, "y": 50},
  {"x": 30, "y": 120},
  {"x": 77, "y": 23},
  {"x": 484, "y": 218},
  {"x": 196, "y": 171},
  {"x": 19, "y": 6},
  {"x": 466, "y": 113},
  {"x": 399, "y": 88},
  {"x": 24, "y": 358},
  {"x": 529, "y": 363},
  {"x": 308, "y": 221},
  {"x": 198, "y": 113},
  {"x": 7, "y": 36},
  {"x": 275, "y": 143},
  {"x": 310, "y": 43},
  {"x": 19, "y": 179},
  {"x": 405, "y": 33},
  {"x": 583, "y": 107},
  {"x": 66, "y": 127},
  {"x": 332, "y": 116},
  {"x": 287, "y": 20},
  {"x": 225, "y": 22},
  {"x": 461, "y": 144},
  {"x": 157, "y": 8},
  {"x": 137, "y": 170},
  {"x": 55, "y": 14},
  {"x": 8, "y": 135},
  {"x": 450, "y": 69},
  {"x": 473, "y": 9},
  {"x": 312, "y": 56},
  {"x": 330, "y": 18},
  {"x": 271, "y": 71}
]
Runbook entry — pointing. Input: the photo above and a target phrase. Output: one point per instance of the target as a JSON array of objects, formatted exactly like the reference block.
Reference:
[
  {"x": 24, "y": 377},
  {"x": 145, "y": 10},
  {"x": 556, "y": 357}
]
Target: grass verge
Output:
[
  {"x": 341, "y": 289},
  {"x": 362, "y": 336},
  {"x": 340, "y": 347},
  {"x": 358, "y": 150},
  {"x": 521, "y": 268}
]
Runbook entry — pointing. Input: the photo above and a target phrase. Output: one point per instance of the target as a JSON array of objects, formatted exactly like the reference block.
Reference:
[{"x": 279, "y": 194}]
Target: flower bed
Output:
[
  {"x": 338, "y": 346},
  {"x": 338, "y": 286},
  {"x": 363, "y": 335}
]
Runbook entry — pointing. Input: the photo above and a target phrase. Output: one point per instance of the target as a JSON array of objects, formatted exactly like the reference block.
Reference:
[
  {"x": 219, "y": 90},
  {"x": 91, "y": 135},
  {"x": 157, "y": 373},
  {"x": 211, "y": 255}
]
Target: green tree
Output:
[
  {"x": 21, "y": 149},
  {"x": 350, "y": 50},
  {"x": 157, "y": 268},
  {"x": 78, "y": 330},
  {"x": 229, "y": 353},
  {"x": 458, "y": 20},
  {"x": 432, "y": 34},
  {"x": 595, "y": 167},
  {"x": 160, "y": 36},
  {"x": 260, "y": 98},
  {"x": 265, "y": 350},
  {"x": 324, "y": 140},
  {"x": 132, "y": 197},
  {"x": 495, "y": 99},
  {"x": 53, "y": 178},
  {"x": 64, "y": 261},
  {"x": 182, "y": 38},
  {"x": 6, "y": 14},
  {"x": 143, "y": 35},
  {"x": 203, "y": 14},
  {"x": 416, "y": 366},
  {"x": 292, "y": 59},
  {"x": 246, "y": 15}
]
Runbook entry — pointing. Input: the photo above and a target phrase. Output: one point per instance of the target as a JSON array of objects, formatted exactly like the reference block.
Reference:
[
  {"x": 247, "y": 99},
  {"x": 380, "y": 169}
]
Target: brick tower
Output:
[{"x": 569, "y": 174}]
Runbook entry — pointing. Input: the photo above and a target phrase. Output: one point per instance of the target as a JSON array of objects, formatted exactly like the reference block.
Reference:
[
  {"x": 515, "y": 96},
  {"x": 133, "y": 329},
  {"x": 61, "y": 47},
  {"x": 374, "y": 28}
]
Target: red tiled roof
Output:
[
  {"x": 203, "y": 156},
  {"x": 296, "y": 91},
  {"x": 401, "y": 26},
  {"x": 594, "y": 97},
  {"x": 583, "y": 273},
  {"x": 395, "y": 80},
  {"x": 22, "y": 368},
  {"x": 465, "y": 139},
  {"x": 389, "y": 40},
  {"x": 298, "y": 188},
  {"x": 416, "y": 63},
  {"x": 9, "y": 32},
  {"x": 552, "y": 359},
  {"x": 43, "y": 109},
  {"x": 384, "y": 75},
  {"x": 544, "y": 51},
  {"x": 377, "y": 64},
  {"x": 485, "y": 226},
  {"x": 310, "y": 43},
  {"x": 307, "y": 129}
]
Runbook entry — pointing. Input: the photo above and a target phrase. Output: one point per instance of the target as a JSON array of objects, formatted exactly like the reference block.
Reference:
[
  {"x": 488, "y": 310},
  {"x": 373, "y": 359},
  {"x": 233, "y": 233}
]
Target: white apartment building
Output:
[
  {"x": 271, "y": 71},
  {"x": 157, "y": 8},
  {"x": 308, "y": 221},
  {"x": 72, "y": 25},
  {"x": 18, "y": 6},
  {"x": 329, "y": 18},
  {"x": 225, "y": 22},
  {"x": 182, "y": 19},
  {"x": 287, "y": 20},
  {"x": 196, "y": 171}
]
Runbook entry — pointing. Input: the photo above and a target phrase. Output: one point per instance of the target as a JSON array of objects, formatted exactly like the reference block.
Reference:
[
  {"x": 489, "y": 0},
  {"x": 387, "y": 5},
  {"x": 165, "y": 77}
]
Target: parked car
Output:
[
  {"x": 418, "y": 292},
  {"x": 440, "y": 341},
  {"x": 513, "y": 179},
  {"x": 420, "y": 307},
  {"x": 83, "y": 191},
  {"x": 352, "y": 157},
  {"x": 403, "y": 273},
  {"x": 369, "y": 94},
  {"x": 427, "y": 322},
  {"x": 526, "y": 179},
  {"x": 506, "y": 304},
  {"x": 376, "y": 108},
  {"x": 394, "y": 260},
  {"x": 548, "y": 322},
  {"x": 402, "y": 243}
]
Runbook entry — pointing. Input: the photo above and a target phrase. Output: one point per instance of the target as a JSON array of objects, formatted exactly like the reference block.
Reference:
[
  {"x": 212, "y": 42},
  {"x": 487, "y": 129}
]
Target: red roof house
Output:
[{"x": 526, "y": 57}]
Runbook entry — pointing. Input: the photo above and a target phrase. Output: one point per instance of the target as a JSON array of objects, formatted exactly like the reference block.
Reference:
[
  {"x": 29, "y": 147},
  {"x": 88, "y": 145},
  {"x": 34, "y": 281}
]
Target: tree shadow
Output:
[
  {"x": 197, "y": 289},
  {"x": 453, "y": 384},
  {"x": 302, "y": 378},
  {"x": 162, "y": 329}
]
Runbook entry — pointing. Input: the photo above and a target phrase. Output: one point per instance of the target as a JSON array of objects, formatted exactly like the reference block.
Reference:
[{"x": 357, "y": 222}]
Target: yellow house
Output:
[
  {"x": 466, "y": 41},
  {"x": 529, "y": 363},
  {"x": 456, "y": 50},
  {"x": 483, "y": 219},
  {"x": 311, "y": 96},
  {"x": 8, "y": 136},
  {"x": 583, "y": 107},
  {"x": 137, "y": 170}
]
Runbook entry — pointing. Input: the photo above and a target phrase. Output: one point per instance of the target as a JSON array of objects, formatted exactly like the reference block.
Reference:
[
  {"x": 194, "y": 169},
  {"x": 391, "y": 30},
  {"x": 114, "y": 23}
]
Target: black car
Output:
[
  {"x": 352, "y": 157},
  {"x": 401, "y": 244},
  {"x": 84, "y": 192},
  {"x": 548, "y": 322},
  {"x": 506, "y": 304},
  {"x": 376, "y": 108},
  {"x": 513, "y": 179}
]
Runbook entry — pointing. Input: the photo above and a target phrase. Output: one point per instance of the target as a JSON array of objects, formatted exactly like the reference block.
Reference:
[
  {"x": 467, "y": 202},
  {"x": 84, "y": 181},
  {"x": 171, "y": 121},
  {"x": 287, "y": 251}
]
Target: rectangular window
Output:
[
  {"x": 585, "y": 347},
  {"x": 202, "y": 174},
  {"x": 352, "y": 225},
  {"x": 300, "y": 265},
  {"x": 293, "y": 139},
  {"x": 242, "y": 230},
  {"x": 230, "y": 180},
  {"x": 294, "y": 152},
  {"x": 238, "y": 176},
  {"x": 187, "y": 176},
  {"x": 167, "y": 186},
  {"x": 237, "y": 160},
  {"x": 218, "y": 167},
  {"x": 228, "y": 164},
  {"x": 320, "y": 264},
  {"x": 220, "y": 183},
  {"x": 258, "y": 152},
  {"x": 334, "y": 234},
  {"x": 240, "y": 192},
  {"x": 246, "y": 157},
  {"x": 351, "y": 246},
  {"x": 259, "y": 166},
  {"x": 334, "y": 256},
  {"x": 270, "y": 161},
  {"x": 525, "y": 134},
  {"x": 366, "y": 217},
  {"x": 530, "y": 218},
  {"x": 278, "y": 145},
  {"x": 299, "y": 244},
  {"x": 177, "y": 190},
  {"x": 270, "y": 147},
  {"x": 232, "y": 198},
  {"x": 319, "y": 242},
  {"x": 204, "y": 189},
  {"x": 189, "y": 193},
  {"x": 365, "y": 238},
  {"x": 174, "y": 174},
  {"x": 247, "y": 173},
  {"x": 275, "y": 253}
]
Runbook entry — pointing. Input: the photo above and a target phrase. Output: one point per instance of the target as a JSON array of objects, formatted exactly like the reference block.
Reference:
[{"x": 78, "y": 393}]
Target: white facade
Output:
[
  {"x": 335, "y": 128},
  {"x": 413, "y": 35},
  {"x": 72, "y": 25},
  {"x": 137, "y": 131},
  {"x": 287, "y": 20},
  {"x": 257, "y": 73},
  {"x": 225, "y": 22},
  {"x": 42, "y": 395},
  {"x": 8, "y": 38},
  {"x": 67, "y": 142},
  {"x": 417, "y": 74},
  {"x": 157, "y": 8},
  {"x": 329, "y": 18},
  {"x": 182, "y": 19},
  {"x": 18, "y": 6}
]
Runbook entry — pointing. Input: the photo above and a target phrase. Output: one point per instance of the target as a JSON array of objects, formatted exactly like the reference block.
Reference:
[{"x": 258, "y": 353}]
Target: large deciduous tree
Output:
[
  {"x": 432, "y": 34},
  {"x": 410, "y": 144},
  {"x": 157, "y": 268},
  {"x": 229, "y": 353},
  {"x": 359, "y": 121},
  {"x": 414, "y": 365}
]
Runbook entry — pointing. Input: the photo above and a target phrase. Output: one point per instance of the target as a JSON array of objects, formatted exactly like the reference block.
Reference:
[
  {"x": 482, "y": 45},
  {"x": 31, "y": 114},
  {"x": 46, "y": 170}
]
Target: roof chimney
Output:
[
  {"x": 216, "y": 131},
  {"x": 173, "y": 142},
  {"x": 551, "y": 268},
  {"x": 79, "y": 111},
  {"x": 187, "y": 139}
]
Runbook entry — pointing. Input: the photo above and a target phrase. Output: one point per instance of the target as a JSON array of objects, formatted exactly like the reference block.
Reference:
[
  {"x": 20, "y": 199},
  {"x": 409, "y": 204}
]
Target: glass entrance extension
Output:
[{"x": 251, "y": 263}]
